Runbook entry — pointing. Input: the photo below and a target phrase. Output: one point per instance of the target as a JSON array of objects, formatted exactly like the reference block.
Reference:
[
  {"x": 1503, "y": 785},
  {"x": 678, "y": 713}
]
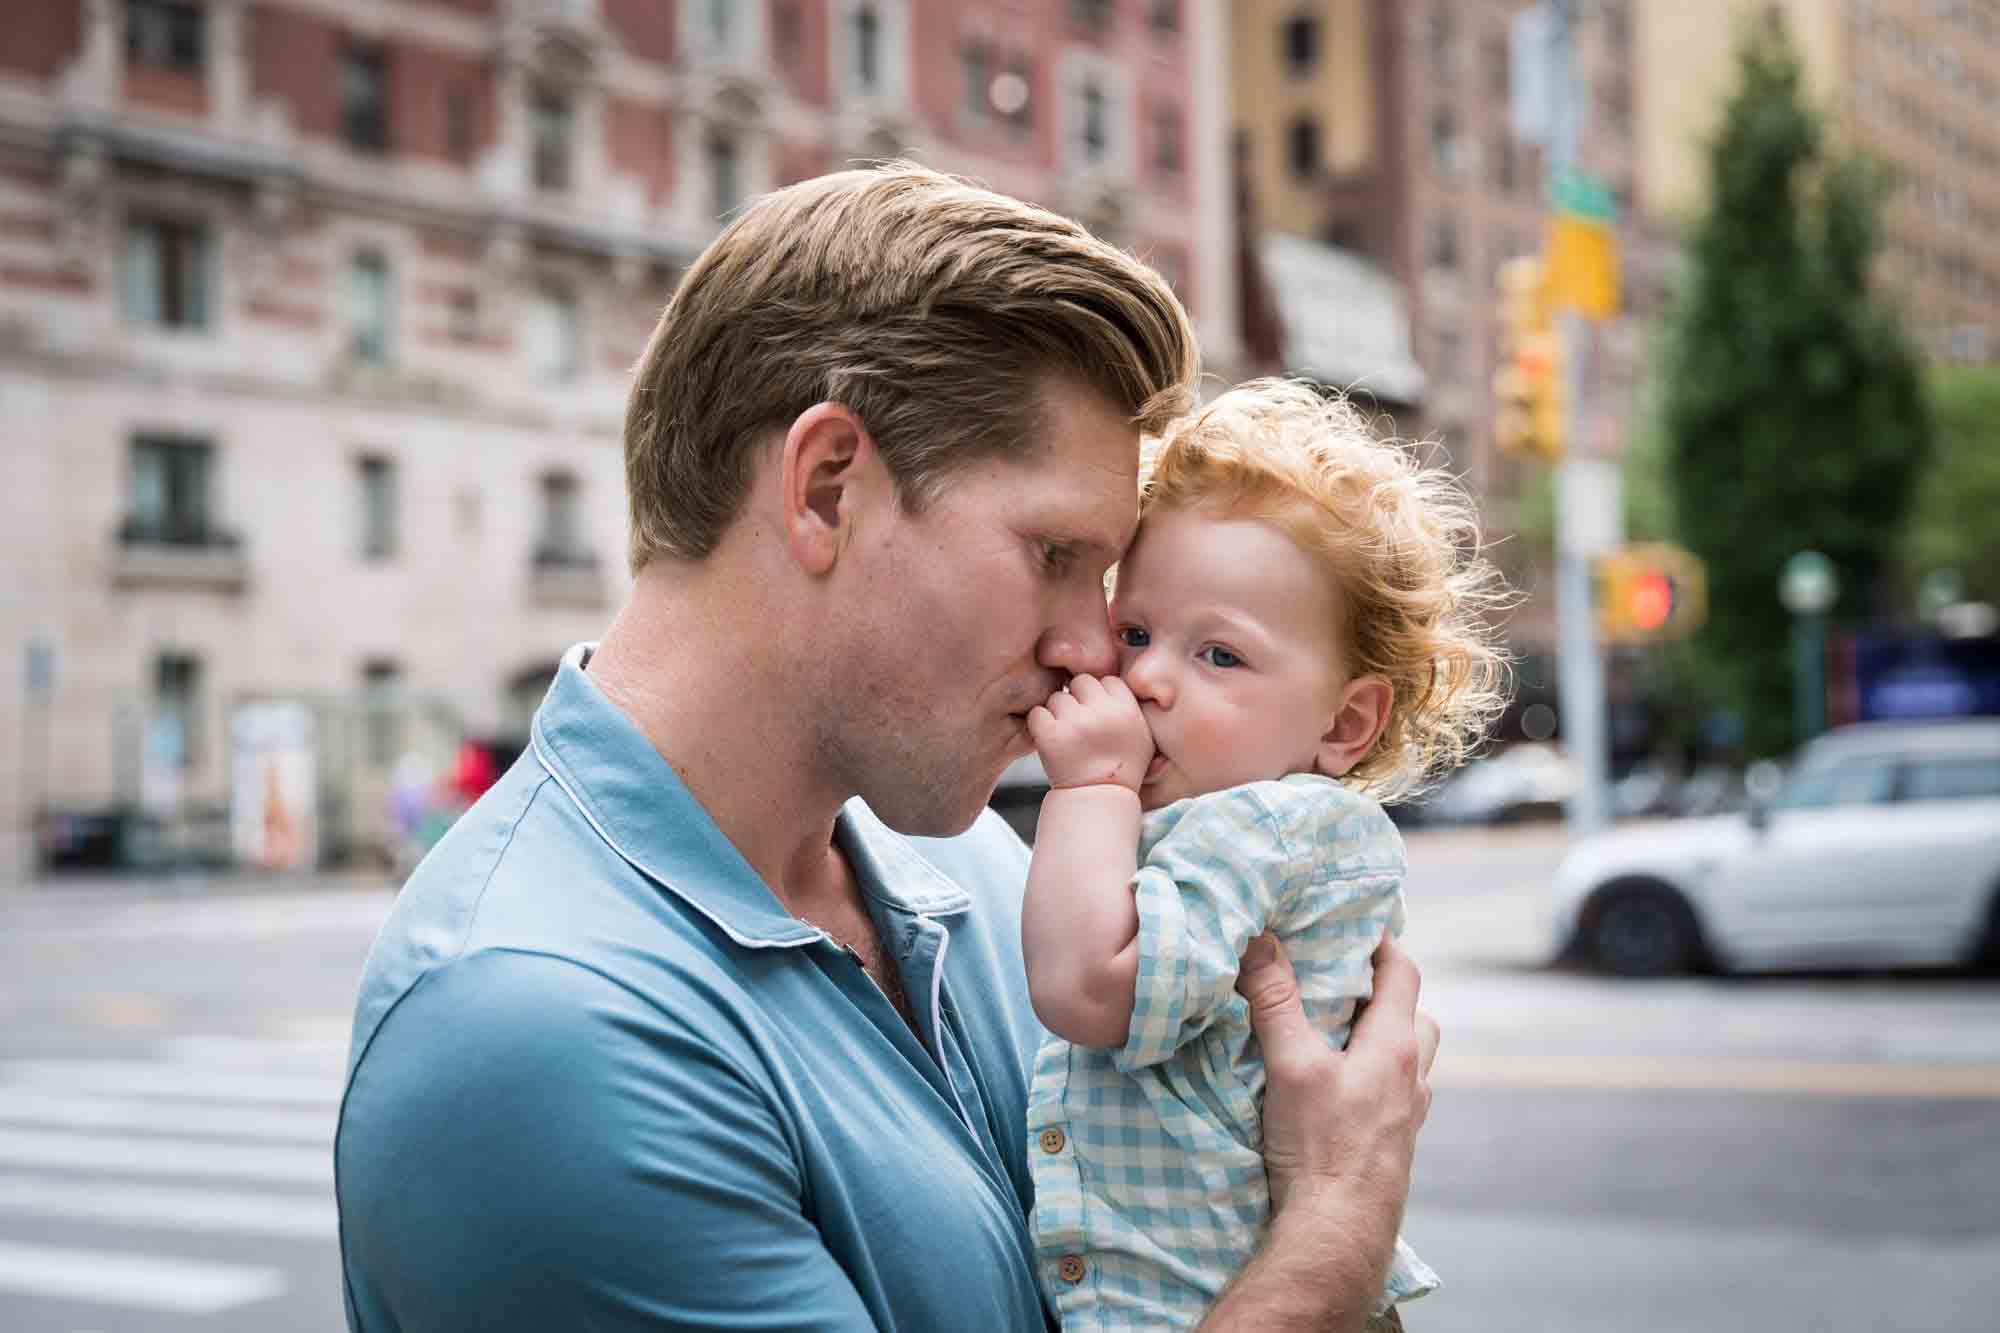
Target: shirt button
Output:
[
  {"x": 1053, "y": 1140},
  {"x": 1071, "y": 1268}
]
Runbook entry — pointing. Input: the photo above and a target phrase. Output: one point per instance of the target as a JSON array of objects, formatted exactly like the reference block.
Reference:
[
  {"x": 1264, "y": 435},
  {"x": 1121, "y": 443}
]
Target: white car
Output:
[{"x": 1881, "y": 848}]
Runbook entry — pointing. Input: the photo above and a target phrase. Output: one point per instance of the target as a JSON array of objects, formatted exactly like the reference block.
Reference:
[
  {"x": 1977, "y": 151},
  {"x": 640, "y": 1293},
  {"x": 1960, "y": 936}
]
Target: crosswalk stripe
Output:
[
  {"x": 290, "y": 1216},
  {"x": 152, "y": 1079},
  {"x": 51, "y": 1149},
  {"x": 212, "y": 1119},
  {"x": 291, "y": 1055},
  {"x": 148, "y": 1282}
]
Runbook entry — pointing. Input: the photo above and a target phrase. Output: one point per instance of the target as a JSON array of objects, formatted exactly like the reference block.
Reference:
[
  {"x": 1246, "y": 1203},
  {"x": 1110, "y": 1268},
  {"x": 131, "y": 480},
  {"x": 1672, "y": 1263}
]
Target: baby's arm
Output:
[{"x": 1079, "y": 927}]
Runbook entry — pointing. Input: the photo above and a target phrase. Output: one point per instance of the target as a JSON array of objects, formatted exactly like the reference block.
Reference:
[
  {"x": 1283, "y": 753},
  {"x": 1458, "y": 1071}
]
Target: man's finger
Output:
[
  {"x": 1397, "y": 982},
  {"x": 1427, "y": 1042},
  {"x": 1266, "y": 980}
]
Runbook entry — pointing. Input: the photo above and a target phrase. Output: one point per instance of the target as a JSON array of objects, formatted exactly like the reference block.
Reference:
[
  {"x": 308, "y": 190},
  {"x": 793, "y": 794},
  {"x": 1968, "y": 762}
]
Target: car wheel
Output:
[
  {"x": 1986, "y": 956},
  {"x": 1641, "y": 931}
]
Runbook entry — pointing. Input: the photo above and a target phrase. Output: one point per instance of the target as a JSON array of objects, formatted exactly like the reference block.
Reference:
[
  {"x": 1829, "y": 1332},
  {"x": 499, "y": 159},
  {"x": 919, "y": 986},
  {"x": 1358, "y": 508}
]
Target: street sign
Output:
[
  {"x": 1532, "y": 63},
  {"x": 1583, "y": 246}
]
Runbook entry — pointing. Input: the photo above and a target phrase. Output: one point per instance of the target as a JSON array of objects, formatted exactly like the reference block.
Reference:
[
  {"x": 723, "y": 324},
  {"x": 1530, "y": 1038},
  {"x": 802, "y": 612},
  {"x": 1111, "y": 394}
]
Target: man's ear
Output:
[
  {"x": 1358, "y": 718},
  {"x": 825, "y": 456}
]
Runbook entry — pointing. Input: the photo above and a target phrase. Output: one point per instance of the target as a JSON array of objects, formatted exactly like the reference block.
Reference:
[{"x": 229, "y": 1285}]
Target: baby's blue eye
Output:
[
  {"x": 1216, "y": 655},
  {"x": 1133, "y": 637}
]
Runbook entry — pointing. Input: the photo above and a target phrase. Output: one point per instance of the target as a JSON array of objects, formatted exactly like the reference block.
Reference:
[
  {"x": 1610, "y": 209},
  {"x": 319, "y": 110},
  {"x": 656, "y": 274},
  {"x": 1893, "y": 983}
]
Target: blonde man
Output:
[{"x": 711, "y": 1013}]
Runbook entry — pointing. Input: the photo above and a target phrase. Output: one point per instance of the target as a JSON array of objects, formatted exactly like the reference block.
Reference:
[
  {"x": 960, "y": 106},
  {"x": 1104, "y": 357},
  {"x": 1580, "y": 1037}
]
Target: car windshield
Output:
[{"x": 1850, "y": 780}]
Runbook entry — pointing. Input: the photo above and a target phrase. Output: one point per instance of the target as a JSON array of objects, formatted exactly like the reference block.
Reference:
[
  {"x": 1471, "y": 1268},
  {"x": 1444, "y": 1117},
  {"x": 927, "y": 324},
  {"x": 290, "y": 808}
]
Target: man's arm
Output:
[
  {"x": 1340, "y": 1131},
  {"x": 526, "y": 1146}
]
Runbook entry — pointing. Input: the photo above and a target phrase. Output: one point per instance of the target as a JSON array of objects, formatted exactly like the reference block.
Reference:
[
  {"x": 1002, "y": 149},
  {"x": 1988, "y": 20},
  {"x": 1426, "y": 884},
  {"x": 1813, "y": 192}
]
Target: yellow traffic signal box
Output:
[
  {"x": 1528, "y": 402},
  {"x": 1650, "y": 591}
]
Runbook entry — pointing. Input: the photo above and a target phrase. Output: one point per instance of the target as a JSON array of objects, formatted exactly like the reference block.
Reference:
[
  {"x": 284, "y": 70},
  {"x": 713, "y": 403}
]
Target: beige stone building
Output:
[
  {"x": 316, "y": 318},
  {"x": 1915, "y": 83}
]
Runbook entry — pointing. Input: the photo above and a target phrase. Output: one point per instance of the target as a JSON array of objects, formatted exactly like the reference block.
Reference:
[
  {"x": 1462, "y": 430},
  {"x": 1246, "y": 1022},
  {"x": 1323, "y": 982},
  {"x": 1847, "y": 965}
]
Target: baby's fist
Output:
[{"x": 1092, "y": 733}]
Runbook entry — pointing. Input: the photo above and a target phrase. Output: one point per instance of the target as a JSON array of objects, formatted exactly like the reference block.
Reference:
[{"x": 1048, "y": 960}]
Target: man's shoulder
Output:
[{"x": 521, "y": 884}]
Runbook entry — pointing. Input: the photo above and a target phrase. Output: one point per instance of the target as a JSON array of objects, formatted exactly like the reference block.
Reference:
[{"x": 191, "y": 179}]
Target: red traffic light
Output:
[{"x": 1649, "y": 601}]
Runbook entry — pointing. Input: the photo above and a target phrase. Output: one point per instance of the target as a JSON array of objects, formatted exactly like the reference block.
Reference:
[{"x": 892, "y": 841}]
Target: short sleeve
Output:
[
  {"x": 526, "y": 1145},
  {"x": 1206, "y": 888}
]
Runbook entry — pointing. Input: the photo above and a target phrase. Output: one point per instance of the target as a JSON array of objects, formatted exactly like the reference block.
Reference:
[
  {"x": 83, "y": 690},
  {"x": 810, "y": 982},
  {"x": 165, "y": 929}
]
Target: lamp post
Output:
[{"x": 1807, "y": 587}]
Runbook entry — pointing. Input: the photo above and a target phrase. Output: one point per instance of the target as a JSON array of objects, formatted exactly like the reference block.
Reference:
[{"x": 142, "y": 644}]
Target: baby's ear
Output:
[{"x": 1357, "y": 722}]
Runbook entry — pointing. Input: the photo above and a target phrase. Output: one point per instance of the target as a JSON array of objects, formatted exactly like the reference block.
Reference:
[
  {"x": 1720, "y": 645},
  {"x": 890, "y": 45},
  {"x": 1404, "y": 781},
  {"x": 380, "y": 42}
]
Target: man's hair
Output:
[
  {"x": 1401, "y": 540},
  {"x": 933, "y": 309}
]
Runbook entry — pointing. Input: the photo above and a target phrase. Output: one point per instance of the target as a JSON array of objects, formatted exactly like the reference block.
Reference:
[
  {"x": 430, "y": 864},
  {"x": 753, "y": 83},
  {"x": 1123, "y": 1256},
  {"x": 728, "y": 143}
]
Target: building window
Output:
[
  {"x": 176, "y": 711},
  {"x": 1495, "y": 60},
  {"x": 1301, "y": 43},
  {"x": 1012, "y": 94},
  {"x": 463, "y": 321},
  {"x": 165, "y": 34},
  {"x": 381, "y": 707},
  {"x": 1091, "y": 14},
  {"x": 370, "y": 308},
  {"x": 167, "y": 273},
  {"x": 378, "y": 507},
  {"x": 458, "y": 123},
  {"x": 867, "y": 32},
  {"x": 1093, "y": 131},
  {"x": 1302, "y": 148},
  {"x": 552, "y": 334},
  {"x": 1506, "y": 169},
  {"x": 561, "y": 541},
  {"x": 170, "y": 502},
  {"x": 1441, "y": 41},
  {"x": 1443, "y": 244},
  {"x": 725, "y": 184},
  {"x": 976, "y": 64},
  {"x": 1167, "y": 138},
  {"x": 1166, "y": 16},
  {"x": 1447, "y": 149},
  {"x": 550, "y": 134},
  {"x": 721, "y": 23},
  {"x": 364, "y": 96}
]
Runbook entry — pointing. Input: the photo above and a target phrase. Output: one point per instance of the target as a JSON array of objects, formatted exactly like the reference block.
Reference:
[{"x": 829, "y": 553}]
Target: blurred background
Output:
[{"x": 316, "y": 318}]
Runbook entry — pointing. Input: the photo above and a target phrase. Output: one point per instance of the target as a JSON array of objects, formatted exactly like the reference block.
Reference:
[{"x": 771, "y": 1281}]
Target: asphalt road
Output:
[{"x": 1816, "y": 1153}]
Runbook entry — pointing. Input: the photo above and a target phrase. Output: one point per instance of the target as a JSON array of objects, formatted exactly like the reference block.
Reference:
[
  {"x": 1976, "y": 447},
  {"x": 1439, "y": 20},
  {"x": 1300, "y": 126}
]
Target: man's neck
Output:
[{"x": 689, "y": 662}]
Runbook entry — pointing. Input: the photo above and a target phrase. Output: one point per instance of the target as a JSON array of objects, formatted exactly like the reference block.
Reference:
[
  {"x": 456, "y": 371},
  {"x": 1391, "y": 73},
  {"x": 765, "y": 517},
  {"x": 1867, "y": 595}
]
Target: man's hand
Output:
[
  {"x": 1341, "y": 1126},
  {"x": 1092, "y": 734}
]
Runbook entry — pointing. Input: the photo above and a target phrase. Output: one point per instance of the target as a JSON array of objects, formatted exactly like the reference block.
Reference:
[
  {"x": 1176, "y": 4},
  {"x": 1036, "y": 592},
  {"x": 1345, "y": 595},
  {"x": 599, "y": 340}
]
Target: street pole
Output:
[{"x": 1585, "y": 489}]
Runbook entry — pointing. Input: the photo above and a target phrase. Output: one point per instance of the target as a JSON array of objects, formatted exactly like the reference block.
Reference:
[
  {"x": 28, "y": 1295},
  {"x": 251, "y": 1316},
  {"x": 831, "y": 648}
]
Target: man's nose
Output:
[{"x": 1080, "y": 644}]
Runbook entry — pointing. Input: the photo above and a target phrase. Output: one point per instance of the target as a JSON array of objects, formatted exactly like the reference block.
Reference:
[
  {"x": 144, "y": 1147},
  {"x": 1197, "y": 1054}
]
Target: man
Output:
[{"x": 677, "y": 1027}]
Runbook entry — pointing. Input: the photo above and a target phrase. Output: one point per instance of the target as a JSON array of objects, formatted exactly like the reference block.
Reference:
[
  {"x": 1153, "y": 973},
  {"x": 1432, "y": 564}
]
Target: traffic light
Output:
[
  {"x": 1528, "y": 402},
  {"x": 1649, "y": 591}
]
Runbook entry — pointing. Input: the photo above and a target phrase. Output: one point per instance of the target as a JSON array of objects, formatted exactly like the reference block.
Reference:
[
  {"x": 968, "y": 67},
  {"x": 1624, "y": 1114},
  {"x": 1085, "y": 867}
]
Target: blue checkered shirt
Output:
[{"x": 1149, "y": 1180}]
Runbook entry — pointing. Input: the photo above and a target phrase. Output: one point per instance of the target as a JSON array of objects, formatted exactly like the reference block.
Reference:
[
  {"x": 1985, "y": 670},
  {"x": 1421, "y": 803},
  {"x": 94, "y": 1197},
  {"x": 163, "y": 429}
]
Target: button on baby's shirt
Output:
[
  {"x": 1053, "y": 1140},
  {"x": 1071, "y": 1268}
]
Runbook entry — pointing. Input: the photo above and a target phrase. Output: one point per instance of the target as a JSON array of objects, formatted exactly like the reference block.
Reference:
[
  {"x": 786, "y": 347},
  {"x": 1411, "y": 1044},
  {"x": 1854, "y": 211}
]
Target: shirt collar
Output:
[{"x": 638, "y": 805}]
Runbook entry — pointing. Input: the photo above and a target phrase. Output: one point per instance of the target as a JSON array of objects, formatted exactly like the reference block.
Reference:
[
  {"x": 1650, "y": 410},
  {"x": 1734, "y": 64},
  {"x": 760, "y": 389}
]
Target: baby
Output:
[{"x": 1301, "y": 625}]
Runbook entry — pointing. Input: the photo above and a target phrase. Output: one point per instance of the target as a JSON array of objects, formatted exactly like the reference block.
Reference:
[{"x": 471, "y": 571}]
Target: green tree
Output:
[
  {"x": 1792, "y": 408},
  {"x": 1953, "y": 524}
]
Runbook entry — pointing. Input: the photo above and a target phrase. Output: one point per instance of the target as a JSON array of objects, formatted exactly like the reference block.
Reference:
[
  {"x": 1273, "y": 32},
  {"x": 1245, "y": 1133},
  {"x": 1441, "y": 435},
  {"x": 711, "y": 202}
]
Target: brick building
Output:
[
  {"x": 1913, "y": 83},
  {"x": 1381, "y": 130},
  {"x": 316, "y": 316}
]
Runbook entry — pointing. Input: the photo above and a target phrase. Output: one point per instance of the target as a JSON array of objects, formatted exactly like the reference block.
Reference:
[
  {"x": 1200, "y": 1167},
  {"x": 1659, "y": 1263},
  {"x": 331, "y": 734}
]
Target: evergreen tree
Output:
[{"x": 1793, "y": 412}]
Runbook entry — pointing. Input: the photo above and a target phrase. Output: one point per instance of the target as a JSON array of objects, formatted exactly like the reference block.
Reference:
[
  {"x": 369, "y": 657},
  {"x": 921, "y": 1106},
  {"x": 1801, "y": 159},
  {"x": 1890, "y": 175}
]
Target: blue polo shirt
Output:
[{"x": 601, "y": 1079}]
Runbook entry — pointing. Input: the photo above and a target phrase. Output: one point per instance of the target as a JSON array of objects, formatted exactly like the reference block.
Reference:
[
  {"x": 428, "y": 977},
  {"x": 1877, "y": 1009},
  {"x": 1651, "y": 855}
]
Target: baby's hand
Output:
[{"x": 1092, "y": 734}]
